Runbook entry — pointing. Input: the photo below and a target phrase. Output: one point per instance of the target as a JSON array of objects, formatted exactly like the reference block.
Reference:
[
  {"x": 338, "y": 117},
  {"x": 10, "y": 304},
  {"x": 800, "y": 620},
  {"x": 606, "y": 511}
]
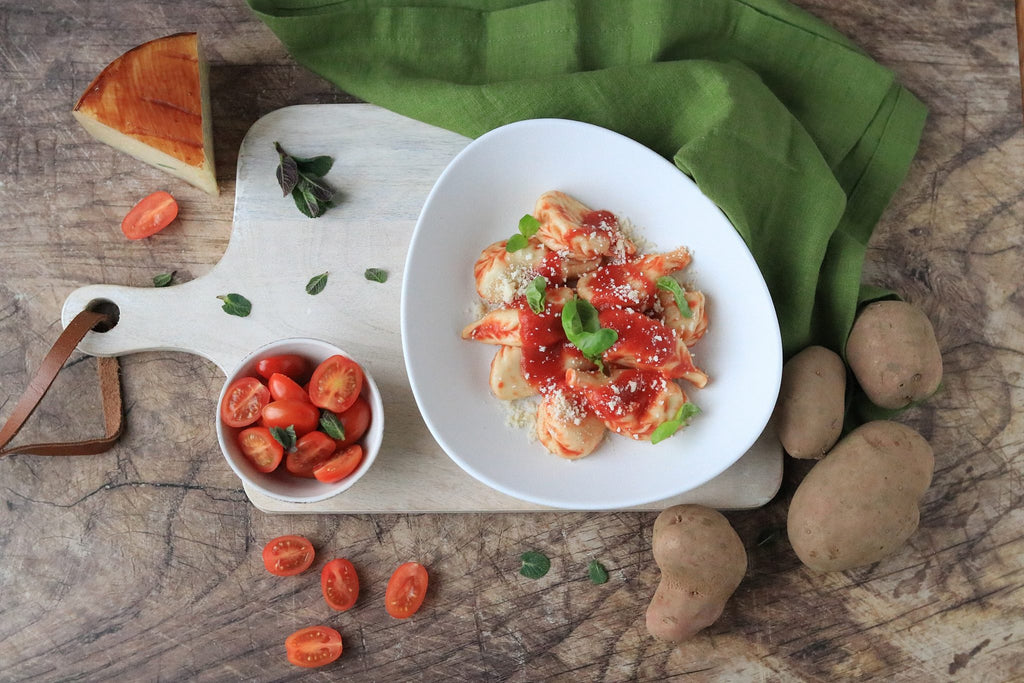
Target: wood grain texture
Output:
[{"x": 143, "y": 564}]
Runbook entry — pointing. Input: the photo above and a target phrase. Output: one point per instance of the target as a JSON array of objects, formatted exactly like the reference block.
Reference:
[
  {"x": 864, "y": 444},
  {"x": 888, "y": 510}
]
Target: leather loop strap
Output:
[{"x": 110, "y": 388}]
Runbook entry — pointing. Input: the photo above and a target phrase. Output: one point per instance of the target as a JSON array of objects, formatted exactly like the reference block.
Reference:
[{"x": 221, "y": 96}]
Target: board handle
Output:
[{"x": 183, "y": 317}]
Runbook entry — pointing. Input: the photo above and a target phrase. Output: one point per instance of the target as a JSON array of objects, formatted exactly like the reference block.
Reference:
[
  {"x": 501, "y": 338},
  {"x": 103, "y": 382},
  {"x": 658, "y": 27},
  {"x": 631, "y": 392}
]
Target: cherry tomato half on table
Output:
[
  {"x": 289, "y": 364},
  {"x": 341, "y": 464},
  {"x": 336, "y": 384},
  {"x": 288, "y": 555},
  {"x": 313, "y": 646},
  {"x": 151, "y": 215},
  {"x": 311, "y": 451},
  {"x": 406, "y": 589},
  {"x": 340, "y": 584},
  {"x": 284, "y": 388},
  {"x": 261, "y": 448},
  {"x": 302, "y": 415},
  {"x": 355, "y": 421},
  {"x": 244, "y": 402}
]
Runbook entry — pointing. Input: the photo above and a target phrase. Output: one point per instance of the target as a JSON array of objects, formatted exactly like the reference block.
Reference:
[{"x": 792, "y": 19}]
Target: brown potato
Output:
[
  {"x": 860, "y": 503},
  {"x": 702, "y": 561},
  {"x": 893, "y": 353},
  {"x": 812, "y": 401}
]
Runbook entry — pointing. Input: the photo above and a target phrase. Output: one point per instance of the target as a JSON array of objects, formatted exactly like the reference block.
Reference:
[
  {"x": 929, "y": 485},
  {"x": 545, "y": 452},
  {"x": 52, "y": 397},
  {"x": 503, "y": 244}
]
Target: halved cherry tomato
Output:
[
  {"x": 288, "y": 555},
  {"x": 283, "y": 388},
  {"x": 340, "y": 465},
  {"x": 340, "y": 584},
  {"x": 336, "y": 384},
  {"x": 290, "y": 364},
  {"x": 261, "y": 448},
  {"x": 151, "y": 215},
  {"x": 243, "y": 402},
  {"x": 406, "y": 589},
  {"x": 355, "y": 421},
  {"x": 311, "y": 451},
  {"x": 313, "y": 646},
  {"x": 302, "y": 415}
]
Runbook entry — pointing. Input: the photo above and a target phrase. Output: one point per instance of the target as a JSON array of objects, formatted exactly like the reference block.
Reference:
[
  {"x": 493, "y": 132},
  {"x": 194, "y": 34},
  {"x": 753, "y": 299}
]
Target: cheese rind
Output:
[{"x": 153, "y": 103}]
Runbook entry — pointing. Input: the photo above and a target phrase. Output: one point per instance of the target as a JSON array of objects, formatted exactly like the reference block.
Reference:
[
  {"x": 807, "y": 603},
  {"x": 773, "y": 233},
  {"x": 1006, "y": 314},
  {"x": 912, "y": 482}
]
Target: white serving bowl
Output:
[
  {"x": 280, "y": 484},
  {"x": 478, "y": 200}
]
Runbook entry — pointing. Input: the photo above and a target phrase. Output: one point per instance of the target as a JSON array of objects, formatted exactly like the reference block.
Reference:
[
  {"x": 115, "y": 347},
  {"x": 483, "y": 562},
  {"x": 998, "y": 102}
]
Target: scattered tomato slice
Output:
[
  {"x": 289, "y": 364},
  {"x": 288, "y": 555},
  {"x": 284, "y": 388},
  {"x": 406, "y": 589},
  {"x": 261, "y": 448},
  {"x": 302, "y": 415},
  {"x": 336, "y": 384},
  {"x": 340, "y": 584},
  {"x": 340, "y": 465},
  {"x": 313, "y": 646},
  {"x": 243, "y": 402},
  {"x": 355, "y": 421},
  {"x": 151, "y": 215},
  {"x": 311, "y": 451}
]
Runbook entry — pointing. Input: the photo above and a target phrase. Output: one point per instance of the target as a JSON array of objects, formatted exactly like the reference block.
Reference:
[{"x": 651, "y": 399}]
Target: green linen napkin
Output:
[{"x": 797, "y": 135}]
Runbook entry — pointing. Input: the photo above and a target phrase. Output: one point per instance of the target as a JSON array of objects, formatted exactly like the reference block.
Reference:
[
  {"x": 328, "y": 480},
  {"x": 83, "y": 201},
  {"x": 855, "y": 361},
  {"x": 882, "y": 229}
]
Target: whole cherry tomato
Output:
[
  {"x": 290, "y": 364},
  {"x": 340, "y": 584},
  {"x": 243, "y": 402},
  {"x": 406, "y": 589},
  {"x": 355, "y": 421},
  {"x": 302, "y": 415},
  {"x": 336, "y": 384},
  {"x": 311, "y": 451},
  {"x": 313, "y": 646},
  {"x": 261, "y": 448},
  {"x": 284, "y": 388},
  {"x": 343, "y": 463},
  {"x": 288, "y": 555}
]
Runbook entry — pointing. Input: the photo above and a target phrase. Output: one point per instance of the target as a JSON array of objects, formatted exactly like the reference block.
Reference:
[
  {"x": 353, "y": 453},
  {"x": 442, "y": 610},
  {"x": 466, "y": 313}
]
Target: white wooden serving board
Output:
[{"x": 385, "y": 165}]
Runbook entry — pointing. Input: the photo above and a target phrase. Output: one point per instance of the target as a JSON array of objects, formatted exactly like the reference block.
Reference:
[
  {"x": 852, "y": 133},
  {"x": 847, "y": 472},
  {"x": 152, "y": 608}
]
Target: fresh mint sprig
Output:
[
  {"x": 236, "y": 304},
  {"x": 582, "y": 327},
  {"x": 528, "y": 227},
  {"x": 285, "y": 436},
  {"x": 301, "y": 178},
  {"x": 670, "y": 427}
]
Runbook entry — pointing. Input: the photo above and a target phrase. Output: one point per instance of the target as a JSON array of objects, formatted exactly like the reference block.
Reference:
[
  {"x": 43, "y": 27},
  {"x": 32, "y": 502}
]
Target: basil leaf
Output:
[
  {"x": 163, "y": 279},
  {"x": 316, "y": 284},
  {"x": 582, "y": 327},
  {"x": 284, "y": 436},
  {"x": 515, "y": 243},
  {"x": 670, "y": 427},
  {"x": 376, "y": 274},
  {"x": 597, "y": 573},
  {"x": 528, "y": 226},
  {"x": 536, "y": 294},
  {"x": 669, "y": 284},
  {"x": 317, "y": 167},
  {"x": 287, "y": 171},
  {"x": 236, "y": 304},
  {"x": 303, "y": 205},
  {"x": 319, "y": 190},
  {"x": 331, "y": 425},
  {"x": 535, "y": 565}
]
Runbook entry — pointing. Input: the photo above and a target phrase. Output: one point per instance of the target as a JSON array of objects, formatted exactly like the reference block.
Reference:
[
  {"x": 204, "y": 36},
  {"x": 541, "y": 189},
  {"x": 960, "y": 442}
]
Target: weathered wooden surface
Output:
[{"x": 143, "y": 564}]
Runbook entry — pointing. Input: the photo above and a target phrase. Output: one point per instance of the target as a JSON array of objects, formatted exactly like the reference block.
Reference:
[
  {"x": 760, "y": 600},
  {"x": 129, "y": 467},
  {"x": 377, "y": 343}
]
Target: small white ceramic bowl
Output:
[{"x": 280, "y": 484}]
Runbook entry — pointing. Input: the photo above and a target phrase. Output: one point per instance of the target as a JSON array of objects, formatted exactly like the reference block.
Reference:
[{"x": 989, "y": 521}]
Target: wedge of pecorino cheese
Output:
[{"x": 153, "y": 103}]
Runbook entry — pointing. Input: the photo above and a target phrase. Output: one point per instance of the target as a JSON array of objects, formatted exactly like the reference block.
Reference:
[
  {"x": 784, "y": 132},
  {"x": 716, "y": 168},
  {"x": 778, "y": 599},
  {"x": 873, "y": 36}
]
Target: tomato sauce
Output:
[
  {"x": 544, "y": 342},
  {"x": 628, "y": 394},
  {"x": 621, "y": 285},
  {"x": 647, "y": 342}
]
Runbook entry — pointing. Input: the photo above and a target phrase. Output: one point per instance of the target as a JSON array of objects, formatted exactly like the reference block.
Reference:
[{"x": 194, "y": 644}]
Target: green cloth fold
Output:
[{"x": 798, "y": 136}]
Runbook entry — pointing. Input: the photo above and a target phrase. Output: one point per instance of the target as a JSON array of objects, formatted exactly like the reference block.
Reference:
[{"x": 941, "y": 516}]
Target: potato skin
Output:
[
  {"x": 860, "y": 503},
  {"x": 702, "y": 561},
  {"x": 812, "y": 402},
  {"x": 894, "y": 355}
]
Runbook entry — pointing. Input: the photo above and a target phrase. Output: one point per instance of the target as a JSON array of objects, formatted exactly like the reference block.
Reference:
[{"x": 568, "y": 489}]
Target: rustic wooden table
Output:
[{"x": 144, "y": 563}]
